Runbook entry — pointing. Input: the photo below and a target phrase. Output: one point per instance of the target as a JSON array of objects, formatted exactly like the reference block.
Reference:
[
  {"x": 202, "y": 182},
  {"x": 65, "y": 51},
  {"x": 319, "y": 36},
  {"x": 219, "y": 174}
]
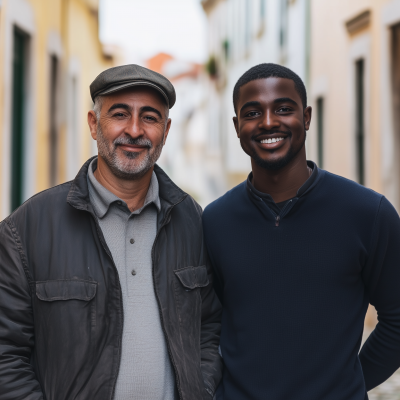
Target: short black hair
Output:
[{"x": 268, "y": 70}]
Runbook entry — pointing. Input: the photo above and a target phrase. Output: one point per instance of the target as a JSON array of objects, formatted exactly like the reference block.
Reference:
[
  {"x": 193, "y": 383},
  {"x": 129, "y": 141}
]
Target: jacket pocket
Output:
[
  {"x": 65, "y": 325},
  {"x": 72, "y": 289},
  {"x": 187, "y": 285},
  {"x": 193, "y": 277}
]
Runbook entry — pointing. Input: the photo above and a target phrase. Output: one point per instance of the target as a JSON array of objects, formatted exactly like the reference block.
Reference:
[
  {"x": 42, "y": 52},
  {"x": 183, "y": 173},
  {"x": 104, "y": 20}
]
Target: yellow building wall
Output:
[
  {"x": 48, "y": 17},
  {"x": 84, "y": 45},
  {"x": 74, "y": 25}
]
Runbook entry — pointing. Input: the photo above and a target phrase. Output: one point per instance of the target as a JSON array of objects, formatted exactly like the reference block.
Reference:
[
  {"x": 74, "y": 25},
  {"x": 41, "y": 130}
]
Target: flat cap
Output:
[{"x": 114, "y": 79}]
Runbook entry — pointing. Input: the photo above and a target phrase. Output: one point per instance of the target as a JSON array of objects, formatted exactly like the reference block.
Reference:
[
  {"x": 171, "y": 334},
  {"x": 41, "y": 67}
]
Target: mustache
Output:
[
  {"x": 136, "y": 142},
  {"x": 272, "y": 132}
]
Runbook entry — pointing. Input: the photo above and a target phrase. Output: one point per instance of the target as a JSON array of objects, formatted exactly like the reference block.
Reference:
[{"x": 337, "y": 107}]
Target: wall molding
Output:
[{"x": 359, "y": 22}]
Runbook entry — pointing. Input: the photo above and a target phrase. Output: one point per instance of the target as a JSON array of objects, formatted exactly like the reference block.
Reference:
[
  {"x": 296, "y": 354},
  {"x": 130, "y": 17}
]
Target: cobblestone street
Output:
[{"x": 389, "y": 390}]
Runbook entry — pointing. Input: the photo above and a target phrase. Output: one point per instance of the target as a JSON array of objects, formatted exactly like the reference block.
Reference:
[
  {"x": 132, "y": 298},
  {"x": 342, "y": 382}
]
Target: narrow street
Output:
[{"x": 389, "y": 390}]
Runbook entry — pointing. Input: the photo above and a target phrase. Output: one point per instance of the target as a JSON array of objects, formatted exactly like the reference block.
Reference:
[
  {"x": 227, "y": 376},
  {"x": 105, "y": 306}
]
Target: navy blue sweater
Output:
[{"x": 295, "y": 295}]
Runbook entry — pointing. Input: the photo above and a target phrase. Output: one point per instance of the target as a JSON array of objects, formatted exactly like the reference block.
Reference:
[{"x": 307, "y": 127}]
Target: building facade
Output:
[
  {"x": 242, "y": 34},
  {"x": 49, "y": 54},
  {"x": 355, "y": 91}
]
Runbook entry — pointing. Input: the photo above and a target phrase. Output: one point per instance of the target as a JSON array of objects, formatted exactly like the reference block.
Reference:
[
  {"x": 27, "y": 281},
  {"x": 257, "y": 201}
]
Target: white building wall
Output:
[{"x": 253, "y": 39}]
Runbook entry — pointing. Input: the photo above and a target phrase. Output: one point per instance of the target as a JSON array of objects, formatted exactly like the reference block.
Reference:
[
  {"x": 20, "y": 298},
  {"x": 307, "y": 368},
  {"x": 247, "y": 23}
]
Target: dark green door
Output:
[{"x": 18, "y": 114}]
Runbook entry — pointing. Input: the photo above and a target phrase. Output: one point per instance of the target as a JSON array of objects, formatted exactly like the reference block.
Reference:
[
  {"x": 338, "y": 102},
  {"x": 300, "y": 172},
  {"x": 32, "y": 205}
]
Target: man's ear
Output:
[
  {"x": 236, "y": 123},
  {"x": 167, "y": 128},
  {"x": 92, "y": 122},
  {"x": 307, "y": 117}
]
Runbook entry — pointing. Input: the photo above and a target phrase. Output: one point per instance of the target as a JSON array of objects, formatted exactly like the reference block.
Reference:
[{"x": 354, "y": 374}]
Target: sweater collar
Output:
[{"x": 300, "y": 192}]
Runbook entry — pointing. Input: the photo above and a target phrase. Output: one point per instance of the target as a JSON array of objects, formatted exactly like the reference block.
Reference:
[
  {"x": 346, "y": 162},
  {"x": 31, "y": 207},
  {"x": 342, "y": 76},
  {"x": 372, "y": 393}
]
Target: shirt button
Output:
[
  {"x": 133, "y": 272},
  {"x": 119, "y": 203},
  {"x": 132, "y": 241}
]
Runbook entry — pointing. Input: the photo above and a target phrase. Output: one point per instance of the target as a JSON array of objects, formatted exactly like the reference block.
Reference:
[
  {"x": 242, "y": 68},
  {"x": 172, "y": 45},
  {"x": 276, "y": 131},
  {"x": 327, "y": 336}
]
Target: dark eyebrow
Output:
[
  {"x": 285, "y": 100},
  {"x": 250, "y": 104},
  {"x": 120, "y": 105},
  {"x": 151, "y": 109}
]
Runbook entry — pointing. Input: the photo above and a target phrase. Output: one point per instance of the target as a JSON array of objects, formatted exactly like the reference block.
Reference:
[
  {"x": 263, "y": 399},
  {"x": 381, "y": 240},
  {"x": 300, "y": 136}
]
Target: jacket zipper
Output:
[{"x": 166, "y": 219}]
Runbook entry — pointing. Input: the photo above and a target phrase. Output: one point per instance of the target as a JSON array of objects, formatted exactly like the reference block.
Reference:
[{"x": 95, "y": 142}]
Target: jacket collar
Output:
[
  {"x": 102, "y": 199},
  {"x": 78, "y": 196}
]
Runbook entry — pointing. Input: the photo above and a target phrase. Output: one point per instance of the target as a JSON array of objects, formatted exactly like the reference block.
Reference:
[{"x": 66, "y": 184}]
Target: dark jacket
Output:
[{"x": 61, "y": 311}]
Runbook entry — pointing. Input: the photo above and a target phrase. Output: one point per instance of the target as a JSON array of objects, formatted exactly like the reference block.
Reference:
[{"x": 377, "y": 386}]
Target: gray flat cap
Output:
[{"x": 113, "y": 79}]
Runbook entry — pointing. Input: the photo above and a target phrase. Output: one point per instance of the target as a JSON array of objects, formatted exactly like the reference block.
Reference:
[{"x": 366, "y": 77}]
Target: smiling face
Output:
[
  {"x": 131, "y": 130},
  {"x": 271, "y": 122}
]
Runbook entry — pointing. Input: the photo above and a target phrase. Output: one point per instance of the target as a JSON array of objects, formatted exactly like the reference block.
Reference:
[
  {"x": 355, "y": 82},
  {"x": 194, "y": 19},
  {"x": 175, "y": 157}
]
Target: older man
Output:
[{"x": 105, "y": 290}]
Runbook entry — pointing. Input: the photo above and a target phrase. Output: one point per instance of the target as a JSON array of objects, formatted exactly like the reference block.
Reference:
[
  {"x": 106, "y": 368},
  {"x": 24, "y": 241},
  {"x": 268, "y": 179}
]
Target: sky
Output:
[{"x": 144, "y": 28}]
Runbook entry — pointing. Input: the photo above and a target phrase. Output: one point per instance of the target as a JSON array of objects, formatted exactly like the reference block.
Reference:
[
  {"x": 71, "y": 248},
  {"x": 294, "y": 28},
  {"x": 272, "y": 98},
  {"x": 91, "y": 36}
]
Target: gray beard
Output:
[{"x": 128, "y": 167}]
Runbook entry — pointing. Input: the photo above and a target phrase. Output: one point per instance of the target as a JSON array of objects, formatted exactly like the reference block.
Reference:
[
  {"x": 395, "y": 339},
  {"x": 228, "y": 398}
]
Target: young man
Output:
[
  {"x": 105, "y": 291},
  {"x": 299, "y": 253}
]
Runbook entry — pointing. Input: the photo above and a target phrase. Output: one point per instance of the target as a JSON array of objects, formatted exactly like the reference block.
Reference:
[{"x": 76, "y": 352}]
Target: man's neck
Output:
[
  {"x": 133, "y": 192},
  {"x": 283, "y": 184}
]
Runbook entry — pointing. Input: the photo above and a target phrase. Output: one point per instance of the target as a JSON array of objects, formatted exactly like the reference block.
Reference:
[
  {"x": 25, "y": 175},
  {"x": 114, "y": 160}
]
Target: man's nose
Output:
[
  {"x": 134, "y": 127},
  {"x": 269, "y": 121}
]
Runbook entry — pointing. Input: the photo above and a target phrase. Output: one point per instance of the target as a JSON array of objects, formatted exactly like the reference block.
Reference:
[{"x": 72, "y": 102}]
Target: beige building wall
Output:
[
  {"x": 342, "y": 34},
  {"x": 66, "y": 30}
]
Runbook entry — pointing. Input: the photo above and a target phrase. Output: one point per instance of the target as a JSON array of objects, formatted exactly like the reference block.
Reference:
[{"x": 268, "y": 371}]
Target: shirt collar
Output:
[{"x": 102, "y": 199}]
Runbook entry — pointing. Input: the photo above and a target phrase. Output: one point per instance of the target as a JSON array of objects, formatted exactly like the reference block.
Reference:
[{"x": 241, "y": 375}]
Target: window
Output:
[
  {"x": 73, "y": 158},
  {"x": 262, "y": 13},
  {"x": 226, "y": 49},
  {"x": 262, "y": 9},
  {"x": 248, "y": 24},
  {"x": 283, "y": 23},
  {"x": 53, "y": 142},
  {"x": 359, "y": 118},
  {"x": 18, "y": 116},
  {"x": 320, "y": 131}
]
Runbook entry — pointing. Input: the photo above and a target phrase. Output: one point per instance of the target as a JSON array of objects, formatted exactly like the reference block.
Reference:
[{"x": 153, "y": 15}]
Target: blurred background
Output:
[{"x": 347, "y": 53}]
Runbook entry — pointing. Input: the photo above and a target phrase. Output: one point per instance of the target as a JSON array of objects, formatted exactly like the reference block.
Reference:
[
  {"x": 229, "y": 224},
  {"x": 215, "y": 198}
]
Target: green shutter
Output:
[{"x": 18, "y": 114}]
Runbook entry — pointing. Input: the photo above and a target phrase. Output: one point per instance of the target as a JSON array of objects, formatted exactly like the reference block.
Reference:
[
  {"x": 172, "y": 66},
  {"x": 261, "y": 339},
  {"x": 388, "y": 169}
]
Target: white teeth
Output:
[{"x": 273, "y": 140}]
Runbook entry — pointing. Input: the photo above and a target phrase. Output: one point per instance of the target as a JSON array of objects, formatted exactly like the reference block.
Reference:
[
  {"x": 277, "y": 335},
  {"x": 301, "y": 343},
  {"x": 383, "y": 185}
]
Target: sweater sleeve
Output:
[{"x": 380, "y": 355}]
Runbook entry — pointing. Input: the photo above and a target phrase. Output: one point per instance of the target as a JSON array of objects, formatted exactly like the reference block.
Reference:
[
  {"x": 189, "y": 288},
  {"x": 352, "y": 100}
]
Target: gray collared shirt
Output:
[{"x": 145, "y": 369}]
